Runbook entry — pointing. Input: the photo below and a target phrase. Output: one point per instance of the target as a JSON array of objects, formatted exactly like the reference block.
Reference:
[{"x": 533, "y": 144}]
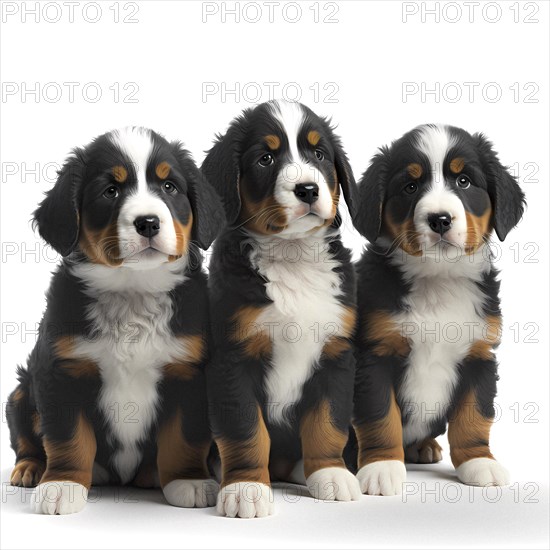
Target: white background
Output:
[{"x": 169, "y": 53}]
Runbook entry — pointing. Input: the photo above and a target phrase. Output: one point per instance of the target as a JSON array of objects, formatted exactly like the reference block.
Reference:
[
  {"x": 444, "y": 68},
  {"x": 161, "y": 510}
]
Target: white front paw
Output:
[
  {"x": 333, "y": 484},
  {"x": 59, "y": 497},
  {"x": 384, "y": 477},
  {"x": 191, "y": 493},
  {"x": 483, "y": 472},
  {"x": 246, "y": 499}
]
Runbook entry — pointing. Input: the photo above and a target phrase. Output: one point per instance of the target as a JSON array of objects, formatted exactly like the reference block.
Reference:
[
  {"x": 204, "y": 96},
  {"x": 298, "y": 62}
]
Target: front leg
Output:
[
  {"x": 70, "y": 445},
  {"x": 245, "y": 488},
  {"x": 184, "y": 441},
  {"x": 241, "y": 435},
  {"x": 469, "y": 428},
  {"x": 66, "y": 401},
  {"x": 324, "y": 428},
  {"x": 323, "y": 443},
  {"x": 379, "y": 431}
]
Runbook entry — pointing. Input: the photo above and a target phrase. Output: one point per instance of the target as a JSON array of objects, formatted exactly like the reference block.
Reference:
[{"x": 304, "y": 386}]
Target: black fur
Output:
[
  {"x": 383, "y": 285},
  {"x": 236, "y": 380},
  {"x": 49, "y": 398}
]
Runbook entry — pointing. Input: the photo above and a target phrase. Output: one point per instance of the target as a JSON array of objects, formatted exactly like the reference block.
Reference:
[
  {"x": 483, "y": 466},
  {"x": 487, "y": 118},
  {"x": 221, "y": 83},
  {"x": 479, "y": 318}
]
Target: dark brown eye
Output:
[
  {"x": 463, "y": 181},
  {"x": 266, "y": 160},
  {"x": 169, "y": 187},
  {"x": 111, "y": 192},
  {"x": 411, "y": 188},
  {"x": 319, "y": 154}
]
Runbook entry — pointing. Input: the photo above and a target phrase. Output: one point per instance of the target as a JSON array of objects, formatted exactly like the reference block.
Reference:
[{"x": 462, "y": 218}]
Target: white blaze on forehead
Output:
[
  {"x": 291, "y": 117},
  {"x": 137, "y": 144},
  {"x": 298, "y": 169},
  {"x": 435, "y": 141}
]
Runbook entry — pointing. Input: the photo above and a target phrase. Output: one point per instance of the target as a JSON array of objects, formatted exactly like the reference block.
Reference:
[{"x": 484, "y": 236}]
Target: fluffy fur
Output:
[
  {"x": 428, "y": 306},
  {"x": 283, "y": 300},
  {"x": 115, "y": 387}
]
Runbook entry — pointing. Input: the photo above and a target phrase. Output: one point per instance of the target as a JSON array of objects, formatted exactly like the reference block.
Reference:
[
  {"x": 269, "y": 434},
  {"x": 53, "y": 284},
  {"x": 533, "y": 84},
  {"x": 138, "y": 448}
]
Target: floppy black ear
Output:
[
  {"x": 57, "y": 217},
  {"x": 208, "y": 215},
  {"x": 506, "y": 196},
  {"x": 372, "y": 189},
  {"x": 345, "y": 177},
  {"x": 221, "y": 168}
]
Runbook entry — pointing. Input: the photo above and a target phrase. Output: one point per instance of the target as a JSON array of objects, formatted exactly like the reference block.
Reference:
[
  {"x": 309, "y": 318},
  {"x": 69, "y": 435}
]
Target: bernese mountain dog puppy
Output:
[
  {"x": 115, "y": 387},
  {"x": 282, "y": 295},
  {"x": 428, "y": 306}
]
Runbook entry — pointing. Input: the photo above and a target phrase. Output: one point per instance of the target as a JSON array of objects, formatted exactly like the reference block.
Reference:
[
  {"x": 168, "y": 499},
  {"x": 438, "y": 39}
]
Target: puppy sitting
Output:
[
  {"x": 283, "y": 302},
  {"x": 428, "y": 305},
  {"x": 115, "y": 388}
]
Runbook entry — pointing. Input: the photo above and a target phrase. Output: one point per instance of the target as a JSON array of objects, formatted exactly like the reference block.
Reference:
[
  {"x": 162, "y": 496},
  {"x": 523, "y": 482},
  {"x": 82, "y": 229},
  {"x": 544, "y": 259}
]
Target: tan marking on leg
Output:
[
  {"x": 273, "y": 142},
  {"x": 340, "y": 341},
  {"x": 381, "y": 439},
  {"x": 162, "y": 170},
  {"x": 427, "y": 452},
  {"x": 322, "y": 442},
  {"x": 27, "y": 472},
  {"x": 146, "y": 477},
  {"x": 186, "y": 367},
  {"x": 456, "y": 165},
  {"x": 478, "y": 228},
  {"x": 246, "y": 460},
  {"x": 177, "y": 458},
  {"x": 382, "y": 329},
  {"x": 25, "y": 447},
  {"x": 252, "y": 335},
  {"x": 35, "y": 419},
  {"x": 313, "y": 137},
  {"x": 469, "y": 432},
  {"x": 415, "y": 170},
  {"x": 72, "y": 460}
]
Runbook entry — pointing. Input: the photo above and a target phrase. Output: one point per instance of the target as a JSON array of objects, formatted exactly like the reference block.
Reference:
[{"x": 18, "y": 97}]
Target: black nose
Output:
[
  {"x": 307, "y": 192},
  {"x": 148, "y": 226},
  {"x": 440, "y": 223}
]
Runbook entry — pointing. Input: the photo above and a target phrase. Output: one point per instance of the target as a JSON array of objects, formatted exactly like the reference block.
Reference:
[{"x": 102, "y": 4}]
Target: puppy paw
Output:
[
  {"x": 333, "y": 484},
  {"x": 59, "y": 497},
  {"x": 483, "y": 472},
  {"x": 191, "y": 493},
  {"x": 246, "y": 499},
  {"x": 427, "y": 452},
  {"x": 384, "y": 477},
  {"x": 27, "y": 473}
]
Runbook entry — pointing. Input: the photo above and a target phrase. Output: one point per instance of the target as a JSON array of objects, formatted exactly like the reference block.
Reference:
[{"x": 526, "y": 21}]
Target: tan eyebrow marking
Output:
[
  {"x": 120, "y": 174},
  {"x": 456, "y": 165},
  {"x": 313, "y": 137},
  {"x": 415, "y": 170},
  {"x": 273, "y": 142},
  {"x": 162, "y": 170}
]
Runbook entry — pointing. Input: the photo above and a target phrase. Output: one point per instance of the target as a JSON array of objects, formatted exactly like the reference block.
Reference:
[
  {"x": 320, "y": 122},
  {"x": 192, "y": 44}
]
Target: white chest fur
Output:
[
  {"x": 132, "y": 342},
  {"x": 443, "y": 319},
  {"x": 305, "y": 312}
]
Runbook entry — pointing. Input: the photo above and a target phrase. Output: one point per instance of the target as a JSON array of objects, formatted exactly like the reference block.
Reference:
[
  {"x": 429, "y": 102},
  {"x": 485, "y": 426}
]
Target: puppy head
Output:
[
  {"x": 437, "y": 186},
  {"x": 129, "y": 198},
  {"x": 279, "y": 170}
]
